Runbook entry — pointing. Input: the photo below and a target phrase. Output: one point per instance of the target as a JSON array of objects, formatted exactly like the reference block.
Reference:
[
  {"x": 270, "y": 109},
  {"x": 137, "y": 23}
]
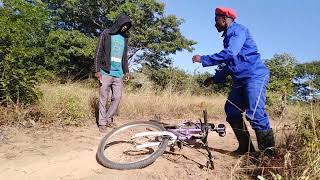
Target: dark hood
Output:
[{"x": 120, "y": 21}]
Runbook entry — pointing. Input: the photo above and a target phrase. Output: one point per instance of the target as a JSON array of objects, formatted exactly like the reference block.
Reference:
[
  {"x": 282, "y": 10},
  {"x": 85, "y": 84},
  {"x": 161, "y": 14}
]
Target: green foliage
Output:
[
  {"x": 22, "y": 34},
  {"x": 171, "y": 79},
  {"x": 28, "y": 50},
  {"x": 152, "y": 38},
  {"x": 309, "y": 131},
  {"x": 282, "y": 72},
  {"x": 310, "y": 71},
  {"x": 89, "y": 17},
  {"x": 222, "y": 88},
  {"x": 305, "y": 145},
  {"x": 176, "y": 80},
  {"x": 69, "y": 53}
]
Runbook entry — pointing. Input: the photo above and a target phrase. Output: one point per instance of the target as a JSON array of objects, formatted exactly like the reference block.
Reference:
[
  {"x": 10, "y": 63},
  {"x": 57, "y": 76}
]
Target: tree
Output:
[
  {"x": 69, "y": 53},
  {"x": 153, "y": 36},
  {"x": 23, "y": 28},
  {"x": 282, "y": 72},
  {"x": 220, "y": 88},
  {"x": 309, "y": 71},
  {"x": 307, "y": 81},
  {"x": 88, "y": 17}
]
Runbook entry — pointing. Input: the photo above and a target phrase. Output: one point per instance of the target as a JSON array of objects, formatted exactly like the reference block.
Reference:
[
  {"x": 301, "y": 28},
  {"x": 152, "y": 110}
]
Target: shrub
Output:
[{"x": 22, "y": 35}]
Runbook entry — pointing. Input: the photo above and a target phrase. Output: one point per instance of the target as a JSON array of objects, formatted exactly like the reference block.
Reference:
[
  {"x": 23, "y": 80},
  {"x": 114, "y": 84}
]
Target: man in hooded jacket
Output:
[{"x": 111, "y": 66}]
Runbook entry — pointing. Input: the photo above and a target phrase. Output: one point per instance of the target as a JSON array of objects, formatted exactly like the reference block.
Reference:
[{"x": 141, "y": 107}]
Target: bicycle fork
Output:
[
  {"x": 205, "y": 140},
  {"x": 210, "y": 157}
]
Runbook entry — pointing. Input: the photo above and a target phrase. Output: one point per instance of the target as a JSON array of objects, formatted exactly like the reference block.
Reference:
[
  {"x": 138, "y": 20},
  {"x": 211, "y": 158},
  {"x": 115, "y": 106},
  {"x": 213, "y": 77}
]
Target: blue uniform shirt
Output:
[
  {"x": 250, "y": 76},
  {"x": 240, "y": 54}
]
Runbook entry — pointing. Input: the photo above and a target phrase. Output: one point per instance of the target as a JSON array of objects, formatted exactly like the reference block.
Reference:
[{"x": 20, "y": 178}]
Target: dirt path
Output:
[{"x": 70, "y": 154}]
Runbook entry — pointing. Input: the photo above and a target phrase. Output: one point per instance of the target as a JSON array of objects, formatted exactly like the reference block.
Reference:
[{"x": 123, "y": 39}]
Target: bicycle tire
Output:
[{"x": 105, "y": 161}]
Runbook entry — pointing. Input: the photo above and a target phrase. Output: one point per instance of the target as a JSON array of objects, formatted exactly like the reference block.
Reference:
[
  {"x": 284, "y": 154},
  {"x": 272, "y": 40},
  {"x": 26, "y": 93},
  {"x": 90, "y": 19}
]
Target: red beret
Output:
[{"x": 226, "y": 12}]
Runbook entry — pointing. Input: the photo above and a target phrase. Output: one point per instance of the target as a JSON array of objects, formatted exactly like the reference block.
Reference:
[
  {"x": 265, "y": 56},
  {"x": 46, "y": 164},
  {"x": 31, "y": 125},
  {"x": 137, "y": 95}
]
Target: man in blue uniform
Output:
[{"x": 250, "y": 76}]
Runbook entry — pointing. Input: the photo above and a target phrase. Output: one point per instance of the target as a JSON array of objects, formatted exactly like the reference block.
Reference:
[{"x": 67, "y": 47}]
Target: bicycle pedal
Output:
[
  {"x": 221, "y": 129},
  {"x": 222, "y": 134}
]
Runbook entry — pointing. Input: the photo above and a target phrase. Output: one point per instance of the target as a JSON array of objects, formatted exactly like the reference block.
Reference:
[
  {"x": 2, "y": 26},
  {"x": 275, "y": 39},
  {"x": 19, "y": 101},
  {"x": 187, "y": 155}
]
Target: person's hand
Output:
[
  {"x": 98, "y": 75},
  {"x": 196, "y": 59},
  {"x": 208, "y": 81},
  {"x": 127, "y": 77}
]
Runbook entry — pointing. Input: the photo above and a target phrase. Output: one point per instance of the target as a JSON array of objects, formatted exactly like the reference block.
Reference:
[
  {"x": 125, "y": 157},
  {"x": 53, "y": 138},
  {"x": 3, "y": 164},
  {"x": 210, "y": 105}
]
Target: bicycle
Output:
[{"x": 138, "y": 148}]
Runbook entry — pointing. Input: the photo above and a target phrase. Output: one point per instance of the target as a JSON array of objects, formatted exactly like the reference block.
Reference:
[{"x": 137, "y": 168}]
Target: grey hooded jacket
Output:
[{"x": 103, "y": 51}]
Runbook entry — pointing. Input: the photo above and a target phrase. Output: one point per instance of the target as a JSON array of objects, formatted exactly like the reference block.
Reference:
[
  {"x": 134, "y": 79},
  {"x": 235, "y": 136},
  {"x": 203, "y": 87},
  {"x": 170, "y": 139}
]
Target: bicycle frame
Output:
[
  {"x": 179, "y": 133},
  {"x": 182, "y": 133}
]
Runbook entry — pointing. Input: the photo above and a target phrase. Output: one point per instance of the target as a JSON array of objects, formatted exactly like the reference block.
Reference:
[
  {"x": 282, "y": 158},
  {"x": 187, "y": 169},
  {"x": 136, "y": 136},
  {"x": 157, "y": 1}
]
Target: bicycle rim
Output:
[{"x": 118, "y": 149}]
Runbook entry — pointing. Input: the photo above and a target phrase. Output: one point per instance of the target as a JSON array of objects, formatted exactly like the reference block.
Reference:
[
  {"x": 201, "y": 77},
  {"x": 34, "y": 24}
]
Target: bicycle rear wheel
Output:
[{"x": 118, "y": 149}]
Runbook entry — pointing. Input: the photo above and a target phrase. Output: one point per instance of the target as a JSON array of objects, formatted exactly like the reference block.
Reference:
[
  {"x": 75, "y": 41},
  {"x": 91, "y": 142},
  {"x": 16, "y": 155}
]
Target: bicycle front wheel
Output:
[{"x": 119, "y": 150}]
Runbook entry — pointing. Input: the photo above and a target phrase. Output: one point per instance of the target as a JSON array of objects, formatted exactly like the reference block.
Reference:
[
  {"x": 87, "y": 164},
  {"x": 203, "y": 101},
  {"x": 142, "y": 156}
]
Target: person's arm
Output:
[
  {"x": 126, "y": 64},
  {"x": 97, "y": 59},
  {"x": 236, "y": 42},
  {"x": 219, "y": 77}
]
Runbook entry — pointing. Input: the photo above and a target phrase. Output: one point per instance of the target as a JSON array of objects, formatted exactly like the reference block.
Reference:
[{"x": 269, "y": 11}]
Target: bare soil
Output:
[{"x": 70, "y": 153}]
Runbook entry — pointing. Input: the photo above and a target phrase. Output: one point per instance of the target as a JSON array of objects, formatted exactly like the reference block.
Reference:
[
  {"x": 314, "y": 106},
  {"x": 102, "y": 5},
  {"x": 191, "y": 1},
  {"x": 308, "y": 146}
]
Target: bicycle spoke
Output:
[{"x": 126, "y": 151}]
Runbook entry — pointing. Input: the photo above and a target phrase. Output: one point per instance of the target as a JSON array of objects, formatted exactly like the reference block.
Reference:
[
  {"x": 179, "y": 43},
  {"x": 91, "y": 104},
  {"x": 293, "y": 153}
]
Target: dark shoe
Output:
[
  {"x": 266, "y": 141},
  {"x": 111, "y": 125},
  {"x": 103, "y": 128},
  {"x": 243, "y": 136}
]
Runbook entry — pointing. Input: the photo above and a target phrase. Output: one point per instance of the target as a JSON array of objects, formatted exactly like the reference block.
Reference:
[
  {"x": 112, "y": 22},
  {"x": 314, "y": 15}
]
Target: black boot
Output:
[
  {"x": 266, "y": 142},
  {"x": 243, "y": 137}
]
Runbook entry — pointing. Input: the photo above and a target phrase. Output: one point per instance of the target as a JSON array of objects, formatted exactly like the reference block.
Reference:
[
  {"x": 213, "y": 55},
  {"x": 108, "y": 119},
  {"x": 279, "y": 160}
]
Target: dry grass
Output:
[
  {"x": 298, "y": 148},
  {"x": 80, "y": 101},
  {"x": 67, "y": 104},
  {"x": 75, "y": 103},
  {"x": 297, "y": 129},
  {"x": 168, "y": 105}
]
